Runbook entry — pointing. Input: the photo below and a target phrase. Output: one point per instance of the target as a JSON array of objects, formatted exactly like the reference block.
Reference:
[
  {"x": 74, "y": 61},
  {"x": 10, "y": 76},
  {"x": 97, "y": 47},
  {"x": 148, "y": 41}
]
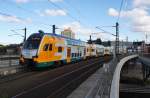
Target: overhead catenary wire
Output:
[
  {"x": 118, "y": 18},
  {"x": 20, "y": 7},
  {"x": 120, "y": 9},
  {"x": 68, "y": 14},
  {"x": 69, "y": 4},
  {"x": 32, "y": 12},
  {"x": 8, "y": 15},
  {"x": 27, "y": 11},
  {"x": 73, "y": 7},
  {"x": 81, "y": 16},
  {"x": 104, "y": 31},
  {"x": 23, "y": 19},
  {"x": 126, "y": 4}
]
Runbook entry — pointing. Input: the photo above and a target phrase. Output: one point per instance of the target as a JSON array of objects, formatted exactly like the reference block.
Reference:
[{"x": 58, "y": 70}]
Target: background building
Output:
[{"x": 68, "y": 33}]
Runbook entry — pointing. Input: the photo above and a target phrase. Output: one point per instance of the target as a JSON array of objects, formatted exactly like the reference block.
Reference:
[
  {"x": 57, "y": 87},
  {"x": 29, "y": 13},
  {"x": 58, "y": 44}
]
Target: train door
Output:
[
  {"x": 68, "y": 54},
  {"x": 84, "y": 53},
  {"x": 148, "y": 48}
]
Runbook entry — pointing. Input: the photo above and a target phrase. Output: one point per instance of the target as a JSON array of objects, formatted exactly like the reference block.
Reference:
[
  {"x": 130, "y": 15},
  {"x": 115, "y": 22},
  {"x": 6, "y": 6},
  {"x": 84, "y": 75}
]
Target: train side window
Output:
[
  {"x": 45, "y": 47},
  {"x": 84, "y": 51},
  {"x": 93, "y": 50},
  {"x": 50, "y": 47},
  {"x": 59, "y": 49},
  {"x": 72, "y": 54},
  {"x": 76, "y": 54}
]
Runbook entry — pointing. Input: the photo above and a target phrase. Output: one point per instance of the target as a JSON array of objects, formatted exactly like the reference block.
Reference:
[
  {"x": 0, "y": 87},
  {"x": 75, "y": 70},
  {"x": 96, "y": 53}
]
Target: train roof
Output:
[
  {"x": 70, "y": 41},
  {"x": 57, "y": 35}
]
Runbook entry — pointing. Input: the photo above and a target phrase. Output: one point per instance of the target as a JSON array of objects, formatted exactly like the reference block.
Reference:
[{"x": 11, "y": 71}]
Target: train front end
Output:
[{"x": 30, "y": 50}]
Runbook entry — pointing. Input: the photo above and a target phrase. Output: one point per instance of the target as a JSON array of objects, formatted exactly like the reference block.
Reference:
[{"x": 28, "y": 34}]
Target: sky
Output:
[{"x": 82, "y": 16}]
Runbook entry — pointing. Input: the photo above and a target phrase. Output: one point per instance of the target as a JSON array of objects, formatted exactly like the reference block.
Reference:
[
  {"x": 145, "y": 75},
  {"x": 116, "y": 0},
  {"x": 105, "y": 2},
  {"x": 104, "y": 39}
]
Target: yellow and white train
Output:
[{"x": 46, "y": 49}]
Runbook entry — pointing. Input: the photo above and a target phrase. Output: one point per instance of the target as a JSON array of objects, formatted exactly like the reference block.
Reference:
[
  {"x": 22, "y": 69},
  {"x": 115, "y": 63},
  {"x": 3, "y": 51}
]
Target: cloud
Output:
[
  {"x": 129, "y": 13},
  {"x": 22, "y": 1},
  {"x": 84, "y": 33},
  {"x": 113, "y": 12},
  {"x": 27, "y": 1},
  {"x": 138, "y": 3},
  {"x": 79, "y": 30},
  {"x": 14, "y": 19},
  {"x": 53, "y": 12},
  {"x": 56, "y": 0},
  {"x": 138, "y": 16}
]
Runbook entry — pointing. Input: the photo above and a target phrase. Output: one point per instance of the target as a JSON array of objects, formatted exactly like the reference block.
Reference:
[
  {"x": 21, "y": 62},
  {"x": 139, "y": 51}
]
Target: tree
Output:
[
  {"x": 109, "y": 43},
  {"x": 99, "y": 41},
  {"x": 89, "y": 42}
]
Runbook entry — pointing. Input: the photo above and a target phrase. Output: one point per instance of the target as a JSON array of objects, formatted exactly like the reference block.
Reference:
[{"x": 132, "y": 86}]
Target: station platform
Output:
[{"x": 91, "y": 85}]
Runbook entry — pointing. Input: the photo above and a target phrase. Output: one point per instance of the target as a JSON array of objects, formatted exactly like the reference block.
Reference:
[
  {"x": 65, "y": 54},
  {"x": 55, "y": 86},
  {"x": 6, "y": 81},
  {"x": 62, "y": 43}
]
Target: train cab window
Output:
[
  {"x": 50, "y": 47},
  {"x": 33, "y": 42},
  {"x": 93, "y": 50},
  {"x": 59, "y": 49},
  {"x": 45, "y": 47}
]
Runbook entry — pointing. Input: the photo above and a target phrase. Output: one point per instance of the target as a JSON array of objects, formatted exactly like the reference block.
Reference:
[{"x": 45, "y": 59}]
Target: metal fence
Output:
[
  {"x": 114, "y": 93},
  {"x": 9, "y": 60},
  {"x": 102, "y": 87}
]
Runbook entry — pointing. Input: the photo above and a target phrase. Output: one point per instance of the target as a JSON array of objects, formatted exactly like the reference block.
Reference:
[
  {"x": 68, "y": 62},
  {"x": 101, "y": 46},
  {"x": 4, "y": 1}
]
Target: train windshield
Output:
[{"x": 33, "y": 41}]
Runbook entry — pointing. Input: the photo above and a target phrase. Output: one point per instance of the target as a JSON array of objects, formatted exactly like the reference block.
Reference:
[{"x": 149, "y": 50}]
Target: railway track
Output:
[
  {"x": 58, "y": 86},
  {"x": 50, "y": 82},
  {"x": 136, "y": 90},
  {"x": 23, "y": 73}
]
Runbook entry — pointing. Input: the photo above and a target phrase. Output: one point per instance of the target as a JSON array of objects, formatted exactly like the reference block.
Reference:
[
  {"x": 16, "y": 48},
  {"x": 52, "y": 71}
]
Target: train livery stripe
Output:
[
  {"x": 49, "y": 56},
  {"x": 54, "y": 49}
]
